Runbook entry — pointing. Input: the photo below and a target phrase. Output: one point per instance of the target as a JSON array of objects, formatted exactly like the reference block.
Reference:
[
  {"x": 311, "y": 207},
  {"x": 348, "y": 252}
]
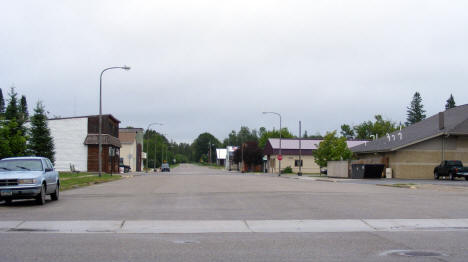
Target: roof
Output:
[
  {"x": 290, "y": 146},
  {"x": 92, "y": 139},
  {"x": 221, "y": 153},
  {"x": 454, "y": 122},
  {"x": 73, "y": 117},
  {"x": 131, "y": 130}
]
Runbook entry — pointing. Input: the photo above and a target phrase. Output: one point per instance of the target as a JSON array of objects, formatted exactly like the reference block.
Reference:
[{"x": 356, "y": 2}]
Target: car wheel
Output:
[
  {"x": 55, "y": 196},
  {"x": 40, "y": 199},
  {"x": 7, "y": 202},
  {"x": 466, "y": 178},
  {"x": 436, "y": 176},
  {"x": 451, "y": 176}
]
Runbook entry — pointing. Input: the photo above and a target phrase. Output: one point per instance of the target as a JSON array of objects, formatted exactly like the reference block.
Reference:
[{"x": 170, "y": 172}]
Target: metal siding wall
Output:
[{"x": 69, "y": 136}]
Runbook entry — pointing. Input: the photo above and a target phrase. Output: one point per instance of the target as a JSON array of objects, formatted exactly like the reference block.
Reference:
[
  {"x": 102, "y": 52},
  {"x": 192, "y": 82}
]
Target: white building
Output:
[{"x": 76, "y": 143}]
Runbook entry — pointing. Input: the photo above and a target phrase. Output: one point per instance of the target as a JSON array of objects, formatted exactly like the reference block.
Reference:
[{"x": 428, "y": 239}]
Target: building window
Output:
[{"x": 297, "y": 162}]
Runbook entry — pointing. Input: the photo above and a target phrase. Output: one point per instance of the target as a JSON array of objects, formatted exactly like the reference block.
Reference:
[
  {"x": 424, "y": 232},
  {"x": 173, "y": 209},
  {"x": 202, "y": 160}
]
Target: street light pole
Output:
[
  {"x": 279, "y": 161},
  {"x": 100, "y": 114},
  {"x": 147, "y": 146}
]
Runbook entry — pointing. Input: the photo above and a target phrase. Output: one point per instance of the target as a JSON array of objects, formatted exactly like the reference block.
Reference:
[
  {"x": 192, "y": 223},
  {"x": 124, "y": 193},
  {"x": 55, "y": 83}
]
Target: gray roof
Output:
[
  {"x": 455, "y": 122},
  {"x": 293, "y": 143}
]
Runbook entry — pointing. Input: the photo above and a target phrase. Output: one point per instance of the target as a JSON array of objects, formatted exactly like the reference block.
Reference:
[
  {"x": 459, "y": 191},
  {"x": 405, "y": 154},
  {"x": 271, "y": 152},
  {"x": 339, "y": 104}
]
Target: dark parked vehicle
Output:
[
  {"x": 451, "y": 169},
  {"x": 125, "y": 168},
  {"x": 165, "y": 167}
]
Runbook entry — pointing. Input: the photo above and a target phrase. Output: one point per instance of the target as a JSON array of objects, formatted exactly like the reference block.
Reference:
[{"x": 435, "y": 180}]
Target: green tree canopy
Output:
[
  {"x": 244, "y": 135},
  {"x": 155, "y": 144},
  {"x": 450, "y": 102},
  {"x": 332, "y": 148},
  {"x": 415, "y": 111},
  {"x": 201, "y": 147},
  {"x": 2, "y": 103},
  {"x": 273, "y": 134},
  {"x": 41, "y": 142},
  {"x": 367, "y": 129},
  {"x": 347, "y": 131}
]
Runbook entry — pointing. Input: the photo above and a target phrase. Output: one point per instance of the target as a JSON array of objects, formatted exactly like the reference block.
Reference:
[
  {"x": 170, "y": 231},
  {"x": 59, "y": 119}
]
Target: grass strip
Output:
[{"x": 86, "y": 180}]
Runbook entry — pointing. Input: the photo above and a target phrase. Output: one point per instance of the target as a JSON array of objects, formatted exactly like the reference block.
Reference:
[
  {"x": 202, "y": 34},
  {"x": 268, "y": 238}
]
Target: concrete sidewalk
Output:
[{"x": 233, "y": 226}]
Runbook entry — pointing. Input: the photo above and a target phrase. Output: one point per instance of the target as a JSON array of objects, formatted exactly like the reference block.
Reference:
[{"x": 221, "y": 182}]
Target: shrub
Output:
[{"x": 287, "y": 170}]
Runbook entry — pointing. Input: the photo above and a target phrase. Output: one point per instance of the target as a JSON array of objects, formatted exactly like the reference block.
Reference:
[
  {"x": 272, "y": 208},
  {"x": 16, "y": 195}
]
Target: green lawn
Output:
[{"x": 75, "y": 180}]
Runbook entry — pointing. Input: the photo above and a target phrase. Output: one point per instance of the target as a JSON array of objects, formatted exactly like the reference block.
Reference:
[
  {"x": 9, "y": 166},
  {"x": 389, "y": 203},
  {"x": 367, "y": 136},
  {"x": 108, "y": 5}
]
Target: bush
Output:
[{"x": 287, "y": 170}]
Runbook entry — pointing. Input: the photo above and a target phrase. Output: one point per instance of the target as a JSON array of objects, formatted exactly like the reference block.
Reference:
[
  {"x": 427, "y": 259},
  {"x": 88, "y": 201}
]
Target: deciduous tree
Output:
[{"x": 332, "y": 148}]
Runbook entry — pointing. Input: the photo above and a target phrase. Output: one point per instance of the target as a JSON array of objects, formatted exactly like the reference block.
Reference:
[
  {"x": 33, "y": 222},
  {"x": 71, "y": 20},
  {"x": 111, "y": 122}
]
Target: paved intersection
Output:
[{"x": 204, "y": 214}]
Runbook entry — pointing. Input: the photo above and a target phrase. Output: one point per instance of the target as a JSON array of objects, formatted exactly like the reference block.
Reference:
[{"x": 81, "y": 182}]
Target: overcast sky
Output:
[{"x": 216, "y": 65}]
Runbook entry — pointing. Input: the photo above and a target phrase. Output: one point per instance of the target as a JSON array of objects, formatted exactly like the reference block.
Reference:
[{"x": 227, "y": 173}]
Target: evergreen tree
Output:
[
  {"x": 12, "y": 111},
  {"x": 2, "y": 103},
  {"x": 450, "y": 102},
  {"x": 41, "y": 142},
  {"x": 16, "y": 140},
  {"x": 415, "y": 112},
  {"x": 24, "y": 114},
  {"x": 4, "y": 139}
]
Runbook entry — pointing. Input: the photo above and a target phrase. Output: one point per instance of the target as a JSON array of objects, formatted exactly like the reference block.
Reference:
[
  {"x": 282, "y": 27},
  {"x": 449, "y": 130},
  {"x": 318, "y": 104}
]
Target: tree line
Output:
[
  {"x": 21, "y": 134},
  {"x": 333, "y": 146}
]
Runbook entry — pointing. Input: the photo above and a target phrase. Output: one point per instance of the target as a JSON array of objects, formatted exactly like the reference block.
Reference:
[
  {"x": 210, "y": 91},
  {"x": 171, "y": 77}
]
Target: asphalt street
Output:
[{"x": 153, "y": 217}]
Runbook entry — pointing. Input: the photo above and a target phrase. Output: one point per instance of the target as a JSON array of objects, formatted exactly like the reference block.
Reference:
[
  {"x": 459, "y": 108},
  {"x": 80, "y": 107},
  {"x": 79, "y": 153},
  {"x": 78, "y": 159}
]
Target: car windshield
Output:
[{"x": 20, "y": 165}]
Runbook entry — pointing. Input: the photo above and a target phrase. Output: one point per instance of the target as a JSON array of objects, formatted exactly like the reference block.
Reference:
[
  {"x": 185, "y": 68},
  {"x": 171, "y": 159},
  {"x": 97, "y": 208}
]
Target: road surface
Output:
[{"x": 203, "y": 214}]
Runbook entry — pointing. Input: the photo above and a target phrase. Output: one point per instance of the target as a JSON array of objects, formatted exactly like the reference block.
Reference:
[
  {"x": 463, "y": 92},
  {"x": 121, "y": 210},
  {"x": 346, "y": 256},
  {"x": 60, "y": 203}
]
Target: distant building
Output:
[
  {"x": 229, "y": 163},
  {"x": 290, "y": 154},
  {"x": 76, "y": 143},
  {"x": 414, "y": 151},
  {"x": 221, "y": 156},
  {"x": 132, "y": 146}
]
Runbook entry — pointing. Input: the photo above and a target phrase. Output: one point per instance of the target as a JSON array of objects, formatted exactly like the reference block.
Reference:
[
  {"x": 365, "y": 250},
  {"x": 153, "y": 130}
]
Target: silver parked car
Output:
[{"x": 28, "y": 177}]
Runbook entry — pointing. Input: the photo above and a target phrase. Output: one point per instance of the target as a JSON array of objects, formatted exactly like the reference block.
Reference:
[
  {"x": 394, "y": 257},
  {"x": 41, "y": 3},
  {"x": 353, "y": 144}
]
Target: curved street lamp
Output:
[
  {"x": 279, "y": 161},
  {"x": 147, "y": 146},
  {"x": 100, "y": 113}
]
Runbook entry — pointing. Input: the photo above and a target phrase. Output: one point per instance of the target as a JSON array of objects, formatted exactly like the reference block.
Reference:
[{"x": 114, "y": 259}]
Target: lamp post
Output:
[
  {"x": 279, "y": 161},
  {"x": 100, "y": 114},
  {"x": 147, "y": 146}
]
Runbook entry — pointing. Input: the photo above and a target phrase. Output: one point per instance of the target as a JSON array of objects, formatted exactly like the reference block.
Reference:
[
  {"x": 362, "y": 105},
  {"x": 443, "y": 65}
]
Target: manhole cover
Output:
[{"x": 413, "y": 253}]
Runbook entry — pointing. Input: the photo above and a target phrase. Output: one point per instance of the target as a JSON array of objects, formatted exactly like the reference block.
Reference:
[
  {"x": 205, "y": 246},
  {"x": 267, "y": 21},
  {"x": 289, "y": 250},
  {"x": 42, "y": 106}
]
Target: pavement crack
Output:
[
  {"x": 122, "y": 224},
  {"x": 369, "y": 225},
  {"x": 22, "y": 222},
  {"x": 247, "y": 225}
]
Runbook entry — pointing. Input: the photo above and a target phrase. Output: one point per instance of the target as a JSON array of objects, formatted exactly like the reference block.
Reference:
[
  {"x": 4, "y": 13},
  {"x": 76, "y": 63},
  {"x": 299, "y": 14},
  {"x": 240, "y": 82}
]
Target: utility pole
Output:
[
  {"x": 280, "y": 156},
  {"x": 209, "y": 144},
  {"x": 242, "y": 157},
  {"x": 300, "y": 151}
]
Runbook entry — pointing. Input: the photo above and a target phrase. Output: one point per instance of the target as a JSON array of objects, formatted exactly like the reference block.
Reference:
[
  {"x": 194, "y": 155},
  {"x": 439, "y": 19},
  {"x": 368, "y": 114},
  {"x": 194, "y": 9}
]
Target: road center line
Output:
[{"x": 233, "y": 226}]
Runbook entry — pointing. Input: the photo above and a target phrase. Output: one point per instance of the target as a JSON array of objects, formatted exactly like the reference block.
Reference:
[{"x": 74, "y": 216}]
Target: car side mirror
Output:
[{"x": 49, "y": 169}]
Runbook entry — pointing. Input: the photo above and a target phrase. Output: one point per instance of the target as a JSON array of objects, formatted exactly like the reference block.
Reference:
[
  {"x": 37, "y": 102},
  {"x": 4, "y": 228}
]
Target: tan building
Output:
[
  {"x": 131, "y": 150},
  {"x": 290, "y": 154},
  {"x": 414, "y": 151}
]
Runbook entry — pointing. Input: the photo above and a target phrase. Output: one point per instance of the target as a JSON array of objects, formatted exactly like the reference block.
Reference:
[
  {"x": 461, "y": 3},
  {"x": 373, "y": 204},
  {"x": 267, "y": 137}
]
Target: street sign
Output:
[
  {"x": 265, "y": 158},
  {"x": 280, "y": 157}
]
